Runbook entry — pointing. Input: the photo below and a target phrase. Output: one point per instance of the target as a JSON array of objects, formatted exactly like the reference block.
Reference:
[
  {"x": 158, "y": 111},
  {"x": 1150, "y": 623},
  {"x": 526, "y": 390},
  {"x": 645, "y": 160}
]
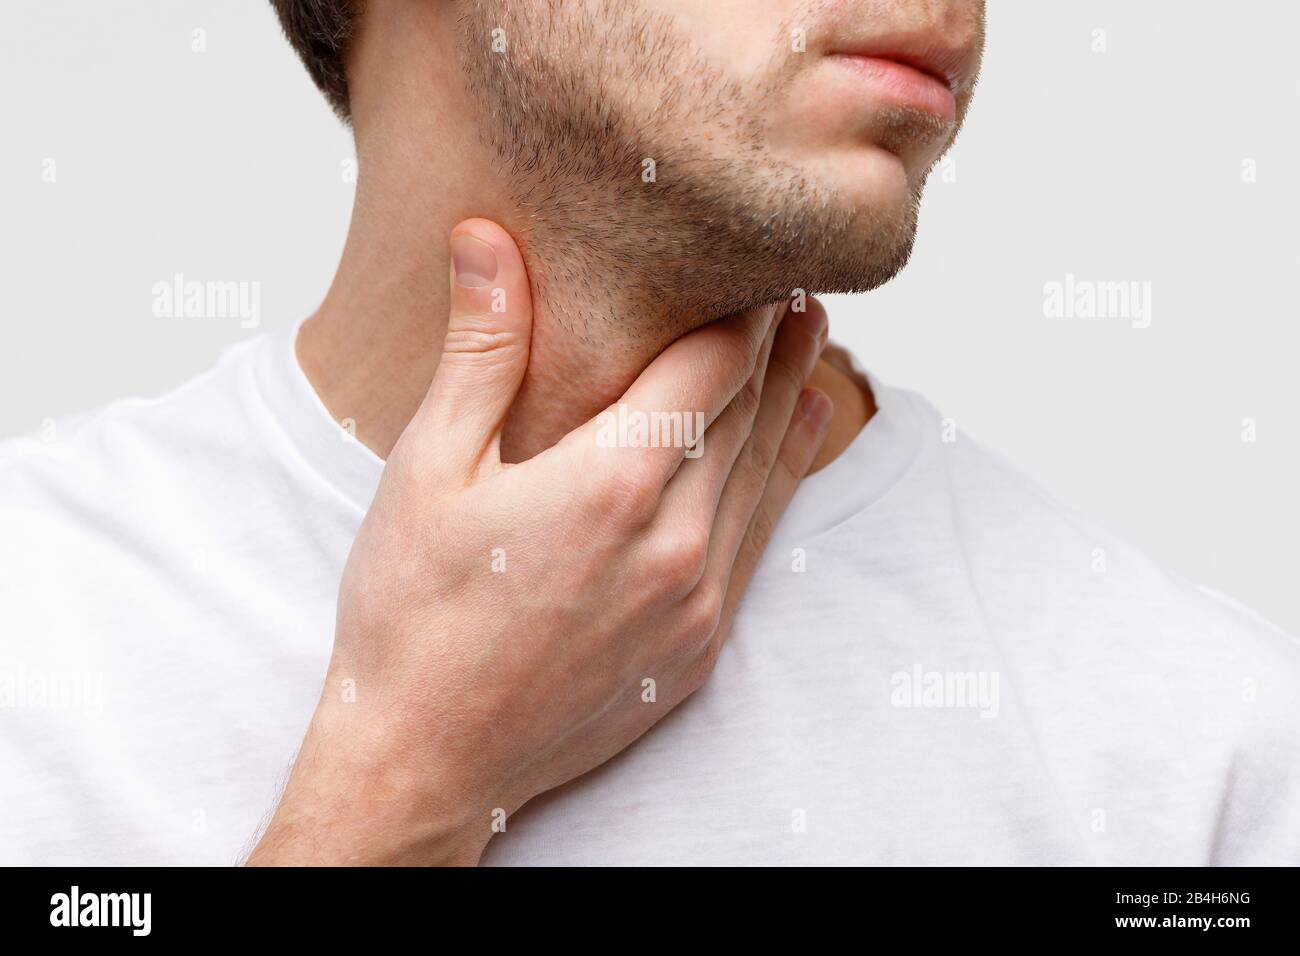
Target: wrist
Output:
[
  {"x": 353, "y": 800},
  {"x": 317, "y": 834}
]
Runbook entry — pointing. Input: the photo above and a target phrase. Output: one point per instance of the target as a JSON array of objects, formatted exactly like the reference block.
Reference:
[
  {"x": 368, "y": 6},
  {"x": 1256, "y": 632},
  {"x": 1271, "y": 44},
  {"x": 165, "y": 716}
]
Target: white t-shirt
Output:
[{"x": 935, "y": 663}]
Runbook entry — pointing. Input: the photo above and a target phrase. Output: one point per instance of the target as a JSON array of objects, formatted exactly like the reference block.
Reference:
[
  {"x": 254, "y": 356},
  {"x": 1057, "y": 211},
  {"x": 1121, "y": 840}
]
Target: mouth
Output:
[
  {"x": 919, "y": 70},
  {"x": 903, "y": 84}
]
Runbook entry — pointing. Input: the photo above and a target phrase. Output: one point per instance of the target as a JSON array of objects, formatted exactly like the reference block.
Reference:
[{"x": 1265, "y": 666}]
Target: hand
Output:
[{"x": 498, "y": 624}]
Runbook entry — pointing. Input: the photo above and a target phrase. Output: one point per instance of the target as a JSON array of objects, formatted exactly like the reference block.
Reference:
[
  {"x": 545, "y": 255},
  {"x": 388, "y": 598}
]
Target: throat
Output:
[
  {"x": 854, "y": 404},
  {"x": 373, "y": 347}
]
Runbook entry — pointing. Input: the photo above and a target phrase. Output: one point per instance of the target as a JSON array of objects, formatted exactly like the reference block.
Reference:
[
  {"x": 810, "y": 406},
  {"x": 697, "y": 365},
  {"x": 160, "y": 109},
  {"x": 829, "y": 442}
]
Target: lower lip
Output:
[{"x": 903, "y": 85}]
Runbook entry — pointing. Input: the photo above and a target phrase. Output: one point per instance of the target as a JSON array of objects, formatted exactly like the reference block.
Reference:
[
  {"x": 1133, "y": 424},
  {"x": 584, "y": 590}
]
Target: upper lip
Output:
[{"x": 953, "y": 64}]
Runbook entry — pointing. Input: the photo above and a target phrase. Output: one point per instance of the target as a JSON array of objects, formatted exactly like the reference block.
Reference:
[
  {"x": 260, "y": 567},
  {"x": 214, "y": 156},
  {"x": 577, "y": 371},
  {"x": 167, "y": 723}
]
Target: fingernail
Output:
[
  {"x": 813, "y": 321},
  {"x": 816, "y": 409},
  {"x": 474, "y": 260}
]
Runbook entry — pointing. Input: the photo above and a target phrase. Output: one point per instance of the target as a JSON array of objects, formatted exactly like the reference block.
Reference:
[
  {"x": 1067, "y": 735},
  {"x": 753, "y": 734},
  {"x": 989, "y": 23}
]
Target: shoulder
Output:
[
  {"x": 1010, "y": 524},
  {"x": 137, "y": 463},
  {"x": 1178, "y": 695},
  {"x": 118, "y": 434}
]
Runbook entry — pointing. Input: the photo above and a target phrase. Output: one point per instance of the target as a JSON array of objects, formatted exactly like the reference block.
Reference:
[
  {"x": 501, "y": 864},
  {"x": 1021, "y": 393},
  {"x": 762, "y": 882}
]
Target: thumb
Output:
[{"x": 484, "y": 354}]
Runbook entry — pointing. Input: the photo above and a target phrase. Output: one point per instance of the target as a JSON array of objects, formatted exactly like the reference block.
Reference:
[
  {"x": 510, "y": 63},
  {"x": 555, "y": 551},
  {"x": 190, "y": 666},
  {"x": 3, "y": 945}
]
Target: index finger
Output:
[{"x": 680, "y": 394}]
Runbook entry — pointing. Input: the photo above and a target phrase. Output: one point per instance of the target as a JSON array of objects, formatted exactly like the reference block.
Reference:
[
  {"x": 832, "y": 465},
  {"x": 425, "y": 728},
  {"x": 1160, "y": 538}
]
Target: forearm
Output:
[{"x": 349, "y": 804}]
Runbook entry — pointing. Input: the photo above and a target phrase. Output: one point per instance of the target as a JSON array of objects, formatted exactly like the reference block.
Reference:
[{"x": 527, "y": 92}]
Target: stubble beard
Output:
[{"x": 624, "y": 251}]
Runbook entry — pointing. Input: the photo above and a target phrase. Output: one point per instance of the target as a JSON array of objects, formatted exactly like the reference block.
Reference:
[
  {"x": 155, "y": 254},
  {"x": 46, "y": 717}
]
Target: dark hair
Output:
[{"x": 319, "y": 30}]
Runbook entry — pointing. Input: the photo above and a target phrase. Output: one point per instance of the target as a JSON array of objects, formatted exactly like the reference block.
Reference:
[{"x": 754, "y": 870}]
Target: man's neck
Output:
[{"x": 372, "y": 348}]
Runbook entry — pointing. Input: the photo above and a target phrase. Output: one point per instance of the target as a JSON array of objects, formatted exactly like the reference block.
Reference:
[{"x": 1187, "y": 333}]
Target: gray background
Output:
[{"x": 1123, "y": 165}]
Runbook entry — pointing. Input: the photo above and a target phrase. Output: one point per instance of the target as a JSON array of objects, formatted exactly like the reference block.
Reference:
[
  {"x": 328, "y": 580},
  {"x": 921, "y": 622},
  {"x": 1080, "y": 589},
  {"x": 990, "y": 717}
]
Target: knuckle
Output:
[
  {"x": 763, "y": 451},
  {"x": 761, "y": 528},
  {"x": 740, "y": 352},
  {"x": 753, "y": 352},
  {"x": 788, "y": 368},
  {"x": 746, "y": 401},
  {"x": 678, "y": 560},
  {"x": 473, "y": 341},
  {"x": 624, "y": 497},
  {"x": 792, "y": 461},
  {"x": 704, "y": 615}
]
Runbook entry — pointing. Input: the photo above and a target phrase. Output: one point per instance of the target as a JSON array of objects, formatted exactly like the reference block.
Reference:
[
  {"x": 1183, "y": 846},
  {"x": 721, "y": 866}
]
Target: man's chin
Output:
[
  {"x": 865, "y": 249},
  {"x": 838, "y": 262},
  {"x": 865, "y": 272}
]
